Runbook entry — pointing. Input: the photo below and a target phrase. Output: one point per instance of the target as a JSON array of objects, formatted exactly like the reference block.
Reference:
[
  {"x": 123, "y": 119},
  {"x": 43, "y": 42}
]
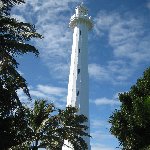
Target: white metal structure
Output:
[{"x": 78, "y": 88}]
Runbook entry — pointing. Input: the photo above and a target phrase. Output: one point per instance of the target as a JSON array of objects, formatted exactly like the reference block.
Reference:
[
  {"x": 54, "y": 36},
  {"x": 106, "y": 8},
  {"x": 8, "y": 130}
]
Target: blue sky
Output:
[{"x": 119, "y": 52}]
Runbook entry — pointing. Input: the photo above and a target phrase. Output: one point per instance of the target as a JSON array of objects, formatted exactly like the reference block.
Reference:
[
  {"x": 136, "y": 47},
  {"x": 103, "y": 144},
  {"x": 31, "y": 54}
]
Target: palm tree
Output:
[{"x": 51, "y": 126}]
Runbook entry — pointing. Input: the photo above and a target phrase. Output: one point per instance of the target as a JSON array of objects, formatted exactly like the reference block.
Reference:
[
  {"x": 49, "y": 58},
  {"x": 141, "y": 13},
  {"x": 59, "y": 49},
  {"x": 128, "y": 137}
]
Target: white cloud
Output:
[
  {"x": 57, "y": 95},
  {"x": 106, "y": 101},
  {"x": 98, "y": 135},
  {"x": 129, "y": 43},
  {"x": 20, "y": 72},
  {"x": 19, "y": 18},
  {"x": 116, "y": 71},
  {"x": 48, "y": 17},
  {"x": 101, "y": 147},
  {"x": 38, "y": 94},
  {"x": 125, "y": 35},
  {"x": 98, "y": 72},
  {"x": 98, "y": 140},
  {"x": 63, "y": 69},
  {"x": 99, "y": 123},
  {"x": 51, "y": 90},
  {"x": 148, "y": 4},
  {"x": 23, "y": 98},
  {"x": 116, "y": 96},
  {"x": 103, "y": 21}
]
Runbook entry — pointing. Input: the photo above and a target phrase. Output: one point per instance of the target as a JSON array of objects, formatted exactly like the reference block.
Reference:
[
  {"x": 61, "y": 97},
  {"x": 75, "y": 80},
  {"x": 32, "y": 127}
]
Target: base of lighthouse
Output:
[{"x": 68, "y": 146}]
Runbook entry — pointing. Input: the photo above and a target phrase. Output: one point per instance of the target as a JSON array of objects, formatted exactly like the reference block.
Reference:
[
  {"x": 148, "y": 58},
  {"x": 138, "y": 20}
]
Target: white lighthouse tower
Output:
[{"x": 78, "y": 87}]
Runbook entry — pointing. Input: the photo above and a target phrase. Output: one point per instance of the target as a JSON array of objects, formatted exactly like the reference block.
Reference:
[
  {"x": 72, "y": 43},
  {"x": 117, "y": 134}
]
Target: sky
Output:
[{"x": 118, "y": 47}]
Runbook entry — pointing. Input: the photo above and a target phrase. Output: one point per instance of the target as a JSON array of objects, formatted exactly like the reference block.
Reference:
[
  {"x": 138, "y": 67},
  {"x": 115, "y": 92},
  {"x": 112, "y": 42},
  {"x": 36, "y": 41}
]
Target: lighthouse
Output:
[{"x": 78, "y": 86}]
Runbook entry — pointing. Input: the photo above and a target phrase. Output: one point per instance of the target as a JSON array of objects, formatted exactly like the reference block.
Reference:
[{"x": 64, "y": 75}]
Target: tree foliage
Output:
[
  {"x": 50, "y": 127},
  {"x": 13, "y": 42},
  {"x": 6, "y": 5},
  {"x": 131, "y": 124},
  {"x": 22, "y": 127}
]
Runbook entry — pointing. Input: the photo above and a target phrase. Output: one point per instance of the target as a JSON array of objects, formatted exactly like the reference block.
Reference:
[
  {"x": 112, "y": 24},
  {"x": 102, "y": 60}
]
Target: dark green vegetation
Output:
[
  {"x": 21, "y": 127},
  {"x": 13, "y": 35},
  {"x": 49, "y": 127},
  {"x": 131, "y": 124}
]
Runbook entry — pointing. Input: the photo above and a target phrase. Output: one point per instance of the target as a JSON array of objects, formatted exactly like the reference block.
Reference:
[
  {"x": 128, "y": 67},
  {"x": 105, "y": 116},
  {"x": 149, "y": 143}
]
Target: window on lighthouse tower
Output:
[
  {"x": 78, "y": 93},
  {"x": 79, "y": 50},
  {"x": 78, "y": 71},
  {"x": 80, "y": 32}
]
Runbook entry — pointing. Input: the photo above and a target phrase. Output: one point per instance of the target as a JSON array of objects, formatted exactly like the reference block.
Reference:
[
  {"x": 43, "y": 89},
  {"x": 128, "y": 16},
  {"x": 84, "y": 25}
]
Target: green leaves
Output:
[
  {"x": 7, "y": 5},
  {"x": 131, "y": 124},
  {"x": 13, "y": 38},
  {"x": 51, "y": 126},
  {"x": 21, "y": 127}
]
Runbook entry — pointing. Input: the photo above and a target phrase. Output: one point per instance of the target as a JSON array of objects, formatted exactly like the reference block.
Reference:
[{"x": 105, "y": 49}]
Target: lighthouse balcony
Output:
[
  {"x": 75, "y": 19},
  {"x": 80, "y": 16}
]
